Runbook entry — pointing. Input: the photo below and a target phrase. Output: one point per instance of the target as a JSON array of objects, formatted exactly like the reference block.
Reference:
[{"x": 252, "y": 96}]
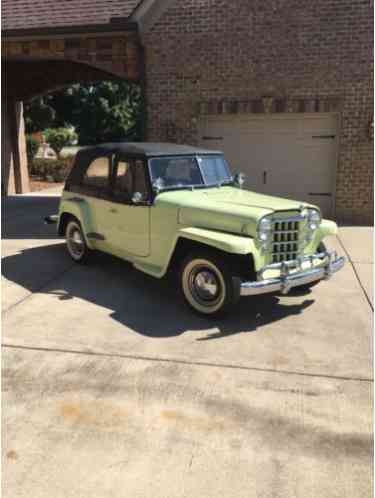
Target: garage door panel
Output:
[
  {"x": 290, "y": 155},
  {"x": 318, "y": 126}
]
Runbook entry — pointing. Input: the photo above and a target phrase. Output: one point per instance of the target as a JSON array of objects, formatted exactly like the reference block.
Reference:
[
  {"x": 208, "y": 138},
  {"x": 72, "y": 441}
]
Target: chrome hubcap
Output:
[
  {"x": 204, "y": 285},
  {"x": 75, "y": 242}
]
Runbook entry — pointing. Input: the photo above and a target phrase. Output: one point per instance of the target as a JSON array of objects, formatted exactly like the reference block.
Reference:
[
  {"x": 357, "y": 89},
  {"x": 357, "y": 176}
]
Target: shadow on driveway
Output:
[
  {"x": 146, "y": 305},
  {"x": 22, "y": 217}
]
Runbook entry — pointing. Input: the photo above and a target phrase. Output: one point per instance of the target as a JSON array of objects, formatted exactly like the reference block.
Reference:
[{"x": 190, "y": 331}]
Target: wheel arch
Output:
[
  {"x": 64, "y": 218},
  {"x": 63, "y": 221},
  {"x": 242, "y": 264}
]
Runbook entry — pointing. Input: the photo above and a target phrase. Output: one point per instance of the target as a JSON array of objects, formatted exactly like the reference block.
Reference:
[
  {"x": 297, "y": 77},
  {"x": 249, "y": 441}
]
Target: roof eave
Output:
[
  {"x": 148, "y": 12},
  {"x": 112, "y": 27}
]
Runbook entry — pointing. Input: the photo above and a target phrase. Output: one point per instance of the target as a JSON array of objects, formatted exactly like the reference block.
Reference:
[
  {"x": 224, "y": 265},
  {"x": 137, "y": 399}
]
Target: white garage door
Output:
[{"x": 287, "y": 155}]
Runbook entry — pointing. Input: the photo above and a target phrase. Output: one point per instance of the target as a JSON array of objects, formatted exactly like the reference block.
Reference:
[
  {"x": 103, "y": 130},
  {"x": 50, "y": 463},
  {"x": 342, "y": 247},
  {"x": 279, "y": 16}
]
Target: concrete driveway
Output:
[{"x": 112, "y": 388}]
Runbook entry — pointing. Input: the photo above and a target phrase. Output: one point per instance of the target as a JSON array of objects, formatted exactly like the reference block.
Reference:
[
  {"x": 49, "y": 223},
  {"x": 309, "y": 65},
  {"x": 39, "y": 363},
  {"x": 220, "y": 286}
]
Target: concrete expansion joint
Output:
[
  {"x": 186, "y": 362},
  {"x": 355, "y": 273}
]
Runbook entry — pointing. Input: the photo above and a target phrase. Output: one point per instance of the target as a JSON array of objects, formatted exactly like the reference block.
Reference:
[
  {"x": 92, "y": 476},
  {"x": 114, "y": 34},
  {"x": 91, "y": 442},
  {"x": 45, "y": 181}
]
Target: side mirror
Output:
[
  {"x": 137, "y": 197},
  {"x": 239, "y": 179},
  {"x": 158, "y": 185}
]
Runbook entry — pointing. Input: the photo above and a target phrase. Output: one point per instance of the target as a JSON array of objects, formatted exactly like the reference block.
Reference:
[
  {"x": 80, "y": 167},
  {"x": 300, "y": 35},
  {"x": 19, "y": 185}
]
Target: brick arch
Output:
[
  {"x": 35, "y": 67},
  {"x": 116, "y": 54},
  {"x": 31, "y": 77}
]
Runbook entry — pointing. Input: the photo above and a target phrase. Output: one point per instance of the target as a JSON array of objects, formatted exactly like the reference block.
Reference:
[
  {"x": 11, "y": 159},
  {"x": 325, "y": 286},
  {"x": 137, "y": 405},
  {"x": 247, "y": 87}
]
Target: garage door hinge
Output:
[{"x": 331, "y": 137}]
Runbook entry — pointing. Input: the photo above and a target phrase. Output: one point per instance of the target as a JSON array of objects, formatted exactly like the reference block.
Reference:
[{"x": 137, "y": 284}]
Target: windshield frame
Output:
[{"x": 203, "y": 185}]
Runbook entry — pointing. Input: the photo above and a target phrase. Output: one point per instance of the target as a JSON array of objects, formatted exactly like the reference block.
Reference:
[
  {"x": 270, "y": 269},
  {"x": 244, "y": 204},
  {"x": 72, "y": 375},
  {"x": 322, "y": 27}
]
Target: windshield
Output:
[{"x": 189, "y": 171}]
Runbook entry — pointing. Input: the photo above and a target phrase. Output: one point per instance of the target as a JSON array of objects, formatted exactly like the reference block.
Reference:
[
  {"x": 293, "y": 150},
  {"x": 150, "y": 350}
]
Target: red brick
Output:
[{"x": 318, "y": 53}]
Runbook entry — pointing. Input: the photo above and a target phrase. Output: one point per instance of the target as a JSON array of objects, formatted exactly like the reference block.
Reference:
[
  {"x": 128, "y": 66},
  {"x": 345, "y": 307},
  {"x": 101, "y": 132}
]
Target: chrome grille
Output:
[{"x": 285, "y": 240}]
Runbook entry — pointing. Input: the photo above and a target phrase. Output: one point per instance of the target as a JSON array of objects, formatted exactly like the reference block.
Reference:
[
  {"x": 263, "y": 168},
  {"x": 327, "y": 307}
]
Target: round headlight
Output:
[
  {"x": 314, "y": 216},
  {"x": 314, "y": 219},
  {"x": 265, "y": 231},
  {"x": 265, "y": 225}
]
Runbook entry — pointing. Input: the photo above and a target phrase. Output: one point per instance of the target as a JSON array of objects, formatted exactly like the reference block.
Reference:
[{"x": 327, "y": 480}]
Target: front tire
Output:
[
  {"x": 75, "y": 241},
  {"x": 207, "y": 284}
]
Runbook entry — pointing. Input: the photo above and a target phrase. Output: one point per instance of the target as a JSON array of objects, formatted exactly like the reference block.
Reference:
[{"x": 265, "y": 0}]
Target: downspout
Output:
[{"x": 143, "y": 83}]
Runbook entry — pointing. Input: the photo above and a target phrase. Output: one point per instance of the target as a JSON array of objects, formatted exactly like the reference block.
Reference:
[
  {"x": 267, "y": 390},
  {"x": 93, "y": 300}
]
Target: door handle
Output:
[
  {"x": 264, "y": 177},
  {"x": 76, "y": 199},
  {"x": 113, "y": 210}
]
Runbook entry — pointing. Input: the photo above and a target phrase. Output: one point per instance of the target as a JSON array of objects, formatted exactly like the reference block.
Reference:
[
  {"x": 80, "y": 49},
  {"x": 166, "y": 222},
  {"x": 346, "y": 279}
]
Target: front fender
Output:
[
  {"x": 326, "y": 228},
  {"x": 227, "y": 242}
]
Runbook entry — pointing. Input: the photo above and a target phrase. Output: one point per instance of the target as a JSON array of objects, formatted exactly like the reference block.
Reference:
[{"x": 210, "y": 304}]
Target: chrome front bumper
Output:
[{"x": 320, "y": 266}]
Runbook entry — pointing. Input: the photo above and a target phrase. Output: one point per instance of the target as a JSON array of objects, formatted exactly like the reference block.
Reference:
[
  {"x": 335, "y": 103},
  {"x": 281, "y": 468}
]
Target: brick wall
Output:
[{"x": 222, "y": 56}]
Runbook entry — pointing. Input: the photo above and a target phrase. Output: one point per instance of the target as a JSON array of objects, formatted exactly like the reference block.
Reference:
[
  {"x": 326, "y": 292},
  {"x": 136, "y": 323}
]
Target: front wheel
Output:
[{"x": 207, "y": 284}]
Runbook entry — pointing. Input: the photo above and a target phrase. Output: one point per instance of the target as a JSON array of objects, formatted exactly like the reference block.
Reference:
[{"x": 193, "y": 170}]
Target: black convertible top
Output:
[
  {"x": 145, "y": 149},
  {"x": 140, "y": 150}
]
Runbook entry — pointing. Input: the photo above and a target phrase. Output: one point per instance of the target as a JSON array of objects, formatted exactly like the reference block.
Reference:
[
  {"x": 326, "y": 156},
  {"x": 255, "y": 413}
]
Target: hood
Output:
[
  {"x": 246, "y": 198},
  {"x": 225, "y": 208}
]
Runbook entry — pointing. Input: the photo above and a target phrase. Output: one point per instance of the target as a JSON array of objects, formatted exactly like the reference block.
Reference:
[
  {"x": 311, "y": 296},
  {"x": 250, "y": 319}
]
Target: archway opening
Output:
[{"x": 27, "y": 79}]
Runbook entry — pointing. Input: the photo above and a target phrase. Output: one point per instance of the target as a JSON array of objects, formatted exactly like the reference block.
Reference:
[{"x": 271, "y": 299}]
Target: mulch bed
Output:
[{"x": 36, "y": 184}]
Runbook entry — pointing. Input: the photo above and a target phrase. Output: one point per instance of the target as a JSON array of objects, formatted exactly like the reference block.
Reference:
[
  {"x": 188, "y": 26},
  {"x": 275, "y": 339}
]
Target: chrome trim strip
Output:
[
  {"x": 277, "y": 232},
  {"x": 75, "y": 199},
  {"x": 52, "y": 219},
  {"x": 284, "y": 253},
  {"x": 287, "y": 281},
  {"x": 292, "y": 219},
  {"x": 95, "y": 236},
  {"x": 285, "y": 242}
]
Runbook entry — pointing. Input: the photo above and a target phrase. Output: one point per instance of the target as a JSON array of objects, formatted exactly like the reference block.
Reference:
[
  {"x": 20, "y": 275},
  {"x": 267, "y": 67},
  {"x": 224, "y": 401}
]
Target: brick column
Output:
[
  {"x": 15, "y": 175},
  {"x": 7, "y": 170}
]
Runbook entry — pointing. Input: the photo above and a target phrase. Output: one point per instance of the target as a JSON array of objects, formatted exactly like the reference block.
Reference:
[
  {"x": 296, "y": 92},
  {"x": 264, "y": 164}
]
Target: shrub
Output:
[
  {"x": 55, "y": 169},
  {"x": 58, "y": 138},
  {"x": 32, "y": 147}
]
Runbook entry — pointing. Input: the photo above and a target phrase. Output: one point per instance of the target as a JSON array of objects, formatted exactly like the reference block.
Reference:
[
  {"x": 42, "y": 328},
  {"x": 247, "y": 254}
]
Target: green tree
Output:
[
  {"x": 107, "y": 111},
  {"x": 58, "y": 138},
  {"x": 39, "y": 115}
]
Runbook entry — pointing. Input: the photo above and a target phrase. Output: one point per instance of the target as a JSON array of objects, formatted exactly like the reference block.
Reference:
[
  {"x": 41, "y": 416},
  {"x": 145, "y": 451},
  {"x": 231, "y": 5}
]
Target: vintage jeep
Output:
[{"x": 171, "y": 207}]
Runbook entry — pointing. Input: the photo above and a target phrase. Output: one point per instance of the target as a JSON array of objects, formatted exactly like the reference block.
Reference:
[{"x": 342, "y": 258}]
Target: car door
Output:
[
  {"x": 129, "y": 220},
  {"x": 94, "y": 190}
]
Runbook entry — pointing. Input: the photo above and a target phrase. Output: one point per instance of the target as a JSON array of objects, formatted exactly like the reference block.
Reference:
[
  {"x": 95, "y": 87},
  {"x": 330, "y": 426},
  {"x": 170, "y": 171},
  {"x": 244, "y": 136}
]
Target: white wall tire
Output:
[
  {"x": 207, "y": 284},
  {"x": 75, "y": 241}
]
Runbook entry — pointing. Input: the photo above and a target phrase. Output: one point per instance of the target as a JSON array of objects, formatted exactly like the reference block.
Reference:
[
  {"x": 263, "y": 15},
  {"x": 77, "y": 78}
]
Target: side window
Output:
[
  {"x": 96, "y": 177},
  {"x": 130, "y": 177},
  {"x": 123, "y": 186},
  {"x": 141, "y": 179}
]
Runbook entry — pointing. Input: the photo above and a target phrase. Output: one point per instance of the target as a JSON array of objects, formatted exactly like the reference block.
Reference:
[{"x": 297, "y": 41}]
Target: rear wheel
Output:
[
  {"x": 75, "y": 241},
  {"x": 207, "y": 283}
]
